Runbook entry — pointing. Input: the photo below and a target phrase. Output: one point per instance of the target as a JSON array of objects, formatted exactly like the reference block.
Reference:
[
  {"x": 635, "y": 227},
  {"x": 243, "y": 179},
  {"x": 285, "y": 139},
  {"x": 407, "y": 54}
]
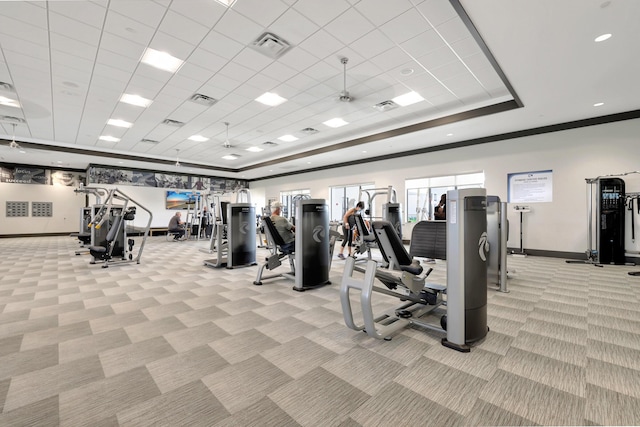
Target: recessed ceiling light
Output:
[
  {"x": 449, "y": 134},
  {"x": 136, "y": 100},
  {"x": 406, "y": 71},
  {"x": 602, "y": 38},
  {"x": 408, "y": 99},
  {"x": 119, "y": 123},
  {"x": 335, "y": 123},
  {"x": 8, "y": 102},
  {"x": 270, "y": 99},
  {"x": 598, "y": 104},
  {"x": 364, "y": 151},
  {"x": 108, "y": 138},
  {"x": 198, "y": 138},
  {"x": 161, "y": 60},
  {"x": 226, "y": 3},
  {"x": 308, "y": 163},
  {"x": 120, "y": 162},
  {"x": 231, "y": 157},
  {"x": 288, "y": 138},
  {"x": 255, "y": 149}
]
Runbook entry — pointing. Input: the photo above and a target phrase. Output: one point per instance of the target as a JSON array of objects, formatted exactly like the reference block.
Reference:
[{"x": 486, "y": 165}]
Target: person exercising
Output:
[
  {"x": 349, "y": 227},
  {"x": 176, "y": 226},
  {"x": 441, "y": 210},
  {"x": 284, "y": 228}
]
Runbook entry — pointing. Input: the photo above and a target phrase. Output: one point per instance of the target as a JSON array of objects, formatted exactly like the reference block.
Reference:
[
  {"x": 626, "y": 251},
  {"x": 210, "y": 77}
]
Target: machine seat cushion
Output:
[
  {"x": 413, "y": 268},
  {"x": 98, "y": 249}
]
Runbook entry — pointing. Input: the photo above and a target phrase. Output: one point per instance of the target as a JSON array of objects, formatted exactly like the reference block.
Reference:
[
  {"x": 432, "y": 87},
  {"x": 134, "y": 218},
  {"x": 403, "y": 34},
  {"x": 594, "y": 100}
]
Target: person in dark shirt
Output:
[
  {"x": 441, "y": 210},
  {"x": 176, "y": 226}
]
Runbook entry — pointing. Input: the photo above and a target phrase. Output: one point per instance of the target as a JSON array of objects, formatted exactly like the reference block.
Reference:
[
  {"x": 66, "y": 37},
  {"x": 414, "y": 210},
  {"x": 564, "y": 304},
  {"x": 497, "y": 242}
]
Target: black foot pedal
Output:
[{"x": 404, "y": 314}]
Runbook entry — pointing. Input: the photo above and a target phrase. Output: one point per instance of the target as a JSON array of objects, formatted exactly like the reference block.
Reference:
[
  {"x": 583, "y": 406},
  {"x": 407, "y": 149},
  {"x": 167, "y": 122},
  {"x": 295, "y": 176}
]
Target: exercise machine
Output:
[
  {"x": 112, "y": 247},
  {"x": 607, "y": 193},
  {"x": 465, "y": 319},
  {"x": 391, "y": 209},
  {"x": 310, "y": 262},
  {"x": 497, "y": 236},
  {"x": 235, "y": 236}
]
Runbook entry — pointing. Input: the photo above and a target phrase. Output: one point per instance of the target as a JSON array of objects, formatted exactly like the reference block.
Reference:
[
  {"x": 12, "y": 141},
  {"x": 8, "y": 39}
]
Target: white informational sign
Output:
[{"x": 530, "y": 187}]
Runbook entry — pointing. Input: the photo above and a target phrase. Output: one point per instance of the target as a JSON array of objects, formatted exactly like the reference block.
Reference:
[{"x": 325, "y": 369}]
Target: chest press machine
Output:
[
  {"x": 465, "y": 319},
  {"x": 310, "y": 262}
]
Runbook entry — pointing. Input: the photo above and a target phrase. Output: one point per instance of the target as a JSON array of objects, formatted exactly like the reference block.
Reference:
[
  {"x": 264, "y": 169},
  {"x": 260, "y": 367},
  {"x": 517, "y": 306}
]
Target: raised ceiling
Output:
[{"x": 512, "y": 65}]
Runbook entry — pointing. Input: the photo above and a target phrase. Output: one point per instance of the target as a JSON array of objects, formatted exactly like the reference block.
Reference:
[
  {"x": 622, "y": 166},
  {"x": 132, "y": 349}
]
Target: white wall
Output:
[
  {"x": 573, "y": 155},
  {"x": 66, "y": 209}
]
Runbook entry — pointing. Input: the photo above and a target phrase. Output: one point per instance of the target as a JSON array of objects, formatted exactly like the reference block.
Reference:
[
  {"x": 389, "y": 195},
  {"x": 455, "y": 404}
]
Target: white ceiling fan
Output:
[
  {"x": 345, "y": 96},
  {"x": 13, "y": 144},
  {"x": 178, "y": 157},
  {"x": 226, "y": 143}
]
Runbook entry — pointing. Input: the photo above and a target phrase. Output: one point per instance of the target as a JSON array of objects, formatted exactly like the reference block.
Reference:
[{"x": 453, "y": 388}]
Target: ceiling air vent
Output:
[
  {"x": 6, "y": 86},
  {"x": 201, "y": 99},
  {"x": 385, "y": 106},
  {"x": 269, "y": 143},
  {"x": 309, "y": 131},
  {"x": 11, "y": 119},
  {"x": 149, "y": 141},
  {"x": 270, "y": 45},
  {"x": 173, "y": 123}
]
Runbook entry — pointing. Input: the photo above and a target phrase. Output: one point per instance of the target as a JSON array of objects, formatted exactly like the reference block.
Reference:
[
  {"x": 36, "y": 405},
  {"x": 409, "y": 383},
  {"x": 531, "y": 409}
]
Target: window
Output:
[
  {"x": 423, "y": 194},
  {"x": 289, "y": 199},
  {"x": 344, "y": 198}
]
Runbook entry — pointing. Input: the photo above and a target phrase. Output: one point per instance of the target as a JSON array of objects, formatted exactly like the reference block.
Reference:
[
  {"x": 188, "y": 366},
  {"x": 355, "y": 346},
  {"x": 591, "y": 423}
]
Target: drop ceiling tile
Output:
[
  {"x": 263, "y": 83},
  {"x": 477, "y": 62},
  {"x": 147, "y": 88},
  {"x": 117, "y": 61},
  {"x": 205, "y": 12},
  {"x": 23, "y": 31},
  {"x": 194, "y": 72},
  {"x": 26, "y": 12},
  {"x": 278, "y": 71},
  {"x": 73, "y": 47},
  {"x": 85, "y": 12},
  {"x": 321, "y": 13},
  {"x": 302, "y": 82},
  {"x": 453, "y": 30},
  {"x": 109, "y": 74},
  {"x": 422, "y": 44},
  {"x": 183, "y": 28},
  {"x": 252, "y": 59},
  {"x": 324, "y": 71},
  {"x": 437, "y": 58},
  {"x": 449, "y": 70},
  {"x": 121, "y": 46},
  {"x": 166, "y": 43},
  {"x": 221, "y": 45},
  {"x": 466, "y": 47},
  {"x": 263, "y": 12},
  {"x": 223, "y": 83},
  {"x": 62, "y": 73},
  {"x": 25, "y": 61},
  {"x": 14, "y": 44},
  {"x": 321, "y": 44},
  {"x": 293, "y": 27},
  {"x": 207, "y": 60},
  {"x": 437, "y": 11},
  {"x": 237, "y": 72},
  {"x": 372, "y": 44},
  {"x": 381, "y": 11},
  {"x": 298, "y": 59},
  {"x": 128, "y": 28},
  {"x": 405, "y": 27},
  {"x": 349, "y": 27},
  {"x": 238, "y": 28},
  {"x": 387, "y": 60},
  {"x": 145, "y": 12},
  {"x": 74, "y": 29}
]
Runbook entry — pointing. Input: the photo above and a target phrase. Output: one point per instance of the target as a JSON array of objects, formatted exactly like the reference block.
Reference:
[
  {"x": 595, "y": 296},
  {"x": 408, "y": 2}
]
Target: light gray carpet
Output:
[{"x": 171, "y": 342}]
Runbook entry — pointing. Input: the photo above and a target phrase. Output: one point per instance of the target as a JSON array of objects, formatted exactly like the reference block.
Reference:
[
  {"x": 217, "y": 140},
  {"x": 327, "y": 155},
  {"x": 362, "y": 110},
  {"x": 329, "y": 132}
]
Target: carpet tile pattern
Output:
[{"x": 171, "y": 342}]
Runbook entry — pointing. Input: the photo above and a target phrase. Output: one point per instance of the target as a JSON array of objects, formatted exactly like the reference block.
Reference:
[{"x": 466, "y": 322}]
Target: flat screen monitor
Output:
[{"x": 180, "y": 200}]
